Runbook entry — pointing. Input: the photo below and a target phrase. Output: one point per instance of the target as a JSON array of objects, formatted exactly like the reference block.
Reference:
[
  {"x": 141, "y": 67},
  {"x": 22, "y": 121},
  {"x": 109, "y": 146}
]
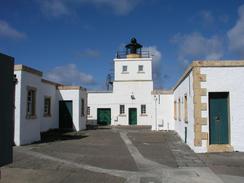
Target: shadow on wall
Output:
[{"x": 61, "y": 135}]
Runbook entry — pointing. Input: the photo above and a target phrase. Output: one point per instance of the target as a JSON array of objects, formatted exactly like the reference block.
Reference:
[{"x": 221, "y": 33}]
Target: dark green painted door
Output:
[
  {"x": 218, "y": 118},
  {"x": 65, "y": 115},
  {"x": 104, "y": 116},
  {"x": 132, "y": 116}
]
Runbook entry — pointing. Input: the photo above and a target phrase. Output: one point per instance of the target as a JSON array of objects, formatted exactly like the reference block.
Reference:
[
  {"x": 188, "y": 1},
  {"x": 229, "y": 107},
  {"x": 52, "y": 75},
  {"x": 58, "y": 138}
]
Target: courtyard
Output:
[{"x": 119, "y": 154}]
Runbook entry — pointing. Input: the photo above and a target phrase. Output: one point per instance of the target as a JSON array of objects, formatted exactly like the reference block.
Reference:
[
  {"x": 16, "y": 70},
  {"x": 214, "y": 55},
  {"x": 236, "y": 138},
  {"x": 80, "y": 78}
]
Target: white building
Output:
[
  {"x": 208, "y": 105},
  {"x": 41, "y": 105},
  {"x": 205, "y": 107}
]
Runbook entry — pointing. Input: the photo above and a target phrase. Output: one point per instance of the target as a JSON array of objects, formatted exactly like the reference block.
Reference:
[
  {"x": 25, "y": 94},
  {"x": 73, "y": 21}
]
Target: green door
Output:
[
  {"x": 65, "y": 115},
  {"x": 218, "y": 118},
  {"x": 132, "y": 116},
  {"x": 104, "y": 116}
]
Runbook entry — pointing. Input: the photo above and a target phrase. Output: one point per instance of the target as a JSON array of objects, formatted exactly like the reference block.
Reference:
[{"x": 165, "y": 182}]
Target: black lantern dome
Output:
[{"x": 133, "y": 47}]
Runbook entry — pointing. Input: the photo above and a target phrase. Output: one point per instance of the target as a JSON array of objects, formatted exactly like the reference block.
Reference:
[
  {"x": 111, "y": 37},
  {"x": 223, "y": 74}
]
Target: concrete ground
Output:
[{"x": 119, "y": 154}]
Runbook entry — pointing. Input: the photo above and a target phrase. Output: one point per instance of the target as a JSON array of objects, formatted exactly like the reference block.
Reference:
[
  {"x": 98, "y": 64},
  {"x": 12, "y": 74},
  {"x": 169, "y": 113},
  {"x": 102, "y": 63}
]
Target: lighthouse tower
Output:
[{"x": 130, "y": 101}]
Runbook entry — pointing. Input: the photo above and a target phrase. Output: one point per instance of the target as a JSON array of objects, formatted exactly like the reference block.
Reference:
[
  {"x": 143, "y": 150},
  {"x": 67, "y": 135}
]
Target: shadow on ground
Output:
[{"x": 60, "y": 135}]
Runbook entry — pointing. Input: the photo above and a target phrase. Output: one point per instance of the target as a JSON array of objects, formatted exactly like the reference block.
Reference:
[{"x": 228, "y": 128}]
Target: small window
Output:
[
  {"x": 88, "y": 111},
  {"x": 124, "y": 68},
  {"x": 47, "y": 106},
  {"x": 185, "y": 109},
  {"x": 82, "y": 107},
  {"x": 175, "y": 110},
  {"x": 31, "y": 102},
  {"x": 179, "y": 111},
  {"x": 143, "y": 109},
  {"x": 122, "y": 109},
  {"x": 140, "y": 68}
]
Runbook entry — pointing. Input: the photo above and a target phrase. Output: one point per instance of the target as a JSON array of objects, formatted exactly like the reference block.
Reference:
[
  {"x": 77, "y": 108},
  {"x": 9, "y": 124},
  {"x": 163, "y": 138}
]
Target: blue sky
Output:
[{"x": 75, "y": 41}]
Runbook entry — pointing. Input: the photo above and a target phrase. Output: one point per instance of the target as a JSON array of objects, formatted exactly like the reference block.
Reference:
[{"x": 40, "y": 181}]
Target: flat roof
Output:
[{"x": 209, "y": 63}]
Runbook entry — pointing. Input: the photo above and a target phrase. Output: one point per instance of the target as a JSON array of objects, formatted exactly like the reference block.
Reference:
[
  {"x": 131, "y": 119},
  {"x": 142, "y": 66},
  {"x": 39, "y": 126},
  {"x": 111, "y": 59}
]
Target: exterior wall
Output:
[
  {"x": 185, "y": 88},
  {"x": 83, "y": 119},
  {"x": 227, "y": 79},
  {"x": 122, "y": 96},
  {"x": 22, "y": 124},
  {"x": 49, "y": 122},
  {"x": 132, "y": 69},
  {"x": 27, "y": 130},
  {"x": 74, "y": 95},
  {"x": 163, "y": 111}
]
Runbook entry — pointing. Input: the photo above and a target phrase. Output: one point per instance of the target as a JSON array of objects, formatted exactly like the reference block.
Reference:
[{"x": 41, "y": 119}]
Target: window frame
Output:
[
  {"x": 121, "y": 109},
  {"x": 82, "y": 106},
  {"x": 124, "y": 66},
  {"x": 175, "y": 110},
  {"x": 88, "y": 111},
  {"x": 143, "y": 109},
  {"x": 31, "y": 105},
  {"x": 140, "y": 66},
  {"x": 179, "y": 109},
  {"x": 47, "y": 113},
  {"x": 185, "y": 108}
]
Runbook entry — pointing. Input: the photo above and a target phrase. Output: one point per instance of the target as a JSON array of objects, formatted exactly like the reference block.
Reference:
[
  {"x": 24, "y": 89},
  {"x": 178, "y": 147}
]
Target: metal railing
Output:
[{"x": 142, "y": 54}]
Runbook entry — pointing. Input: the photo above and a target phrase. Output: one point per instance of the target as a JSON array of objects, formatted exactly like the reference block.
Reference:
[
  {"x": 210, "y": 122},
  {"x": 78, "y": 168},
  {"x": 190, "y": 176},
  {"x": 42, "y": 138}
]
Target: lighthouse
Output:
[{"x": 130, "y": 101}]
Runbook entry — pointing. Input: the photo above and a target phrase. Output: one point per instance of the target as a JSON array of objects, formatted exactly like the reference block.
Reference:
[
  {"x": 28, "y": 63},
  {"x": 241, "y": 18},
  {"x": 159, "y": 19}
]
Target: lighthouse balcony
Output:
[{"x": 138, "y": 54}]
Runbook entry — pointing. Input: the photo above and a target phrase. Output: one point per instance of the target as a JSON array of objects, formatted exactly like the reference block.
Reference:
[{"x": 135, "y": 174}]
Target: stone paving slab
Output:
[
  {"x": 103, "y": 148},
  {"x": 123, "y": 154}
]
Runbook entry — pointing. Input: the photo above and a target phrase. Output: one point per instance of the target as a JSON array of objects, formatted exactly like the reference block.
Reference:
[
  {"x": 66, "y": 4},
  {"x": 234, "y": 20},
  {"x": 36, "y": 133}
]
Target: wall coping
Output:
[
  {"x": 25, "y": 68},
  {"x": 208, "y": 63},
  {"x": 63, "y": 87},
  {"x": 161, "y": 91},
  {"x": 51, "y": 82}
]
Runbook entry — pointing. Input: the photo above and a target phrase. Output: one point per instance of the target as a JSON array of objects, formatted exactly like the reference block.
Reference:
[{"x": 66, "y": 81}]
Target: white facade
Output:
[
  {"x": 132, "y": 88},
  {"x": 28, "y": 129},
  {"x": 232, "y": 83},
  {"x": 184, "y": 109},
  {"x": 218, "y": 77}
]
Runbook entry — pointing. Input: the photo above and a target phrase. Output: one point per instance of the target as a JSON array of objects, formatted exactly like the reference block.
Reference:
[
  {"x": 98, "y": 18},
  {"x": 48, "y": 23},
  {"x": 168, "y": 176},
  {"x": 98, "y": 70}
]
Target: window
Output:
[
  {"x": 179, "y": 111},
  {"x": 124, "y": 68},
  {"x": 175, "y": 110},
  {"x": 47, "y": 106},
  {"x": 185, "y": 109},
  {"x": 140, "y": 68},
  {"x": 82, "y": 107},
  {"x": 88, "y": 111},
  {"x": 31, "y": 102},
  {"x": 121, "y": 109},
  {"x": 143, "y": 109}
]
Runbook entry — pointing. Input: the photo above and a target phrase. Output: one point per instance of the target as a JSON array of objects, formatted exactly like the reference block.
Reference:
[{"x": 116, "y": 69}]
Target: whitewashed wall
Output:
[
  {"x": 121, "y": 95},
  {"x": 79, "y": 122},
  {"x": 185, "y": 88},
  {"x": 163, "y": 111},
  {"x": 27, "y": 130},
  {"x": 49, "y": 122},
  {"x": 132, "y": 69},
  {"x": 228, "y": 79}
]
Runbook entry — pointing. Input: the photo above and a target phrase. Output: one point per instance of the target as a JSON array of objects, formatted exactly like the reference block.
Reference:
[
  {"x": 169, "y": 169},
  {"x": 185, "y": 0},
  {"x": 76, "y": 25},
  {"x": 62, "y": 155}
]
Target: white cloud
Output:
[
  {"x": 196, "y": 46},
  {"x": 91, "y": 53},
  {"x": 7, "y": 31},
  {"x": 156, "y": 64},
  {"x": 56, "y": 8},
  {"x": 69, "y": 75},
  {"x": 236, "y": 34}
]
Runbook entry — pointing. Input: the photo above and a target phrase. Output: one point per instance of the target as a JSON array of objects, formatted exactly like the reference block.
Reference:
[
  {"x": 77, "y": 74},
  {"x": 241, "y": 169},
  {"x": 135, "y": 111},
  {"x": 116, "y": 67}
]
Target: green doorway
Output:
[
  {"x": 65, "y": 115},
  {"x": 132, "y": 116},
  {"x": 219, "y": 117},
  {"x": 103, "y": 116}
]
